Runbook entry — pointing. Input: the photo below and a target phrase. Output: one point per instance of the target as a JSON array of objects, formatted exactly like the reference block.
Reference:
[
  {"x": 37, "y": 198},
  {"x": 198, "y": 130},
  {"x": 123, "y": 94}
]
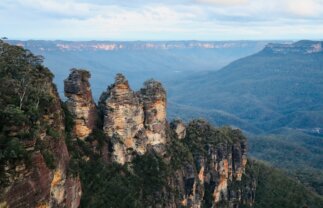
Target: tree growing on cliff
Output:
[{"x": 23, "y": 78}]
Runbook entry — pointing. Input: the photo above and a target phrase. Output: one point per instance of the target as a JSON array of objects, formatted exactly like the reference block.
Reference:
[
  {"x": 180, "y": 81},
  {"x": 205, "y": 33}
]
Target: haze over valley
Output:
[
  {"x": 270, "y": 90},
  {"x": 161, "y": 104}
]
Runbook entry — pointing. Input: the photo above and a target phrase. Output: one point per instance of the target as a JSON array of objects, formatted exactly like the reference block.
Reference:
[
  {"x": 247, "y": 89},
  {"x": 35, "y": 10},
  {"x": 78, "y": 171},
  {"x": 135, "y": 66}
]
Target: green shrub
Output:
[
  {"x": 73, "y": 167},
  {"x": 53, "y": 133},
  {"x": 49, "y": 159},
  {"x": 12, "y": 115},
  {"x": 12, "y": 150},
  {"x": 69, "y": 120}
]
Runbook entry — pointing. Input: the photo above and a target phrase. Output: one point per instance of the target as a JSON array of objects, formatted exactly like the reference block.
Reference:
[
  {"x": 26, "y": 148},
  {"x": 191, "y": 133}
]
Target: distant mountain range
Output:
[
  {"x": 133, "y": 45},
  {"x": 300, "y": 47},
  {"x": 275, "y": 95},
  {"x": 139, "y": 60},
  {"x": 122, "y": 151},
  {"x": 279, "y": 87},
  {"x": 271, "y": 90}
]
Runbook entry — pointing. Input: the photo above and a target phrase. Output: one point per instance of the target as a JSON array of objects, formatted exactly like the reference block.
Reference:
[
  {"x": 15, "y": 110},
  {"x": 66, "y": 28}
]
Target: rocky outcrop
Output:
[
  {"x": 134, "y": 121},
  {"x": 300, "y": 47},
  {"x": 153, "y": 97},
  {"x": 80, "y": 102},
  {"x": 179, "y": 128},
  {"x": 135, "y": 124},
  {"x": 123, "y": 119},
  {"x": 194, "y": 165},
  {"x": 214, "y": 177},
  {"x": 41, "y": 179}
]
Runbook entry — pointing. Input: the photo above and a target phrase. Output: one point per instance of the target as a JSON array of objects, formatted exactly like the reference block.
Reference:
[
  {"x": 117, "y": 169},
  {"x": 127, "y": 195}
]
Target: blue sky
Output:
[{"x": 161, "y": 20}]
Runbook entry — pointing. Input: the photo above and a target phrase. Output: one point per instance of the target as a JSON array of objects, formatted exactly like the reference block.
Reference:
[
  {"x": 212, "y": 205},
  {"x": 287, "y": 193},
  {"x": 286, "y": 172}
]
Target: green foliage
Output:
[
  {"x": 69, "y": 121},
  {"x": 200, "y": 134},
  {"x": 12, "y": 115},
  {"x": 85, "y": 147},
  {"x": 275, "y": 189},
  {"x": 133, "y": 185},
  {"x": 24, "y": 97},
  {"x": 21, "y": 74},
  {"x": 259, "y": 93},
  {"x": 275, "y": 96},
  {"x": 49, "y": 159},
  {"x": 99, "y": 136},
  {"x": 112, "y": 184},
  {"x": 73, "y": 167},
  {"x": 13, "y": 149},
  {"x": 53, "y": 133},
  {"x": 297, "y": 153},
  {"x": 180, "y": 153},
  {"x": 150, "y": 172}
]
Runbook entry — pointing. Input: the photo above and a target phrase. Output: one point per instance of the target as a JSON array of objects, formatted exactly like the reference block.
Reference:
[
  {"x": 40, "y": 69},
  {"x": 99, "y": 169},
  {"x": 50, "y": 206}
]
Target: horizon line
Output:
[{"x": 158, "y": 40}]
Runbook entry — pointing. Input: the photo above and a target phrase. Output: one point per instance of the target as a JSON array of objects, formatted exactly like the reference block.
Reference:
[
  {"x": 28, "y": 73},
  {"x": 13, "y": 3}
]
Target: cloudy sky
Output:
[{"x": 161, "y": 20}]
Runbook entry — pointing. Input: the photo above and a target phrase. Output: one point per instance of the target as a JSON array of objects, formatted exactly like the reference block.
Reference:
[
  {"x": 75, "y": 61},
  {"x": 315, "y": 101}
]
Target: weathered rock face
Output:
[
  {"x": 179, "y": 128},
  {"x": 153, "y": 97},
  {"x": 80, "y": 102},
  {"x": 134, "y": 121},
  {"x": 123, "y": 119},
  {"x": 41, "y": 180},
  {"x": 300, "y": 47},
  {"x": 171, "y": 166},
  {"x": 214, "y": 177}
]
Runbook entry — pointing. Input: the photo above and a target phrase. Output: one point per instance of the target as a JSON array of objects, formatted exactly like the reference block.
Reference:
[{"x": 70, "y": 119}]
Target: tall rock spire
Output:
[
  {"x": 123, "y": 118},
  {"x": 153, "y": 96},
  {"x": 80, "y": 102},
  {"x": 134, "y": 121}
]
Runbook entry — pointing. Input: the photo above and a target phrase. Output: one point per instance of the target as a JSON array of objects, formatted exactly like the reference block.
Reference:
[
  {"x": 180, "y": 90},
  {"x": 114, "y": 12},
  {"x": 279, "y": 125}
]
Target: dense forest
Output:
[{"x": 31, "y": 111}]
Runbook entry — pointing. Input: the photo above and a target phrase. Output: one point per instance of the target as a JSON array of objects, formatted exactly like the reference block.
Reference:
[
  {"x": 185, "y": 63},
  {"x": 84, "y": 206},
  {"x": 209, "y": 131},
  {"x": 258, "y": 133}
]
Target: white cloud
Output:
[
  {"x": 224, "y": 2},
  {"x": 306, "y": 8},
  {"x": 191, "y": 19},
  {"x": 60, "y": 7}
]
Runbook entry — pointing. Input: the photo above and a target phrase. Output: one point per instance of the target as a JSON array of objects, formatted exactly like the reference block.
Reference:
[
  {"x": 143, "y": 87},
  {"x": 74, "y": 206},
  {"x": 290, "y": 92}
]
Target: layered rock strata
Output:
[
  {"x": 80, "y": 102},
  {"x": 179, "y": 128},
  {"x": 41, "y": 179},
  {"x": 134, "y": 121},
  {"x": 214, "y": 177}
]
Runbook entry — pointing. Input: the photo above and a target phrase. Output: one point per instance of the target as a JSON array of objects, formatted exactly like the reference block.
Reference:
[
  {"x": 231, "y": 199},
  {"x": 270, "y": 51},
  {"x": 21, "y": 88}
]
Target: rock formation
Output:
[
  {"x": 136, "y": 123},
  {"x": 159, "y": 165},
  {"x": 80, "y": 102},
  {"x": 300, "y": 47},
  {"x": 134, "y": 120},
  {"x": 179, "y": 128},
  {"x": 123, "y": 119},
  {"x": 41, "y": 179},
  {"x": 203, "y": 166},
  {"x": 44, "y": 147},
  {"x": 153, "y": 97},
  {"x": 214, "y": 175}
]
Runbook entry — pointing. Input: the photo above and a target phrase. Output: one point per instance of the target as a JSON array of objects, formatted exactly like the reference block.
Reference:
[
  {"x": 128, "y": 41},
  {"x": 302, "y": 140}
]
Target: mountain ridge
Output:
[
  {"x": 271, "y": 95},
  {"x": 302, "y": 46},
  {"x": 121, "y": 152},
  {"x": 61, "y": 45}
]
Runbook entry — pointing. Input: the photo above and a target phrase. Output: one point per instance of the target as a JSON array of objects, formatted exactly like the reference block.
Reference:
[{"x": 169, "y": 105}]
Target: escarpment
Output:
[
  {"x": 212, "y": 173},
  {"x": 205, "y": 166},
  {"x": 34, "y": 158},
  {"x": 121, "y": 152},
  {"x": 219, "y": 160},
  {"x": 53, "y": 153}
]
